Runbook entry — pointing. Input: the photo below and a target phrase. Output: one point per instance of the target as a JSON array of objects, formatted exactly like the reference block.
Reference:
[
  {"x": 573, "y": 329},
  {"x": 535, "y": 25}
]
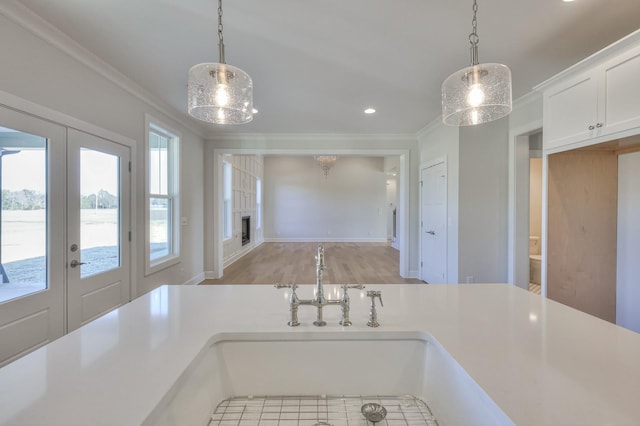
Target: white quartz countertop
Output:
[{"x": 541, "y": 362}]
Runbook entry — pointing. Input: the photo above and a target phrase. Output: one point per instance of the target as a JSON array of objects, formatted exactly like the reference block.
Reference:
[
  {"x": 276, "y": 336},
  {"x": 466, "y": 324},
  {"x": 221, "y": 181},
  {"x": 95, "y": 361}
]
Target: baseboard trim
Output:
[
  {"x": 195, "y": 280},
  {"x": 210, "y": 275},
  {"x": 325, "y": 240},
  {"x": 413, "y": 274},
  {"x": 238, "y": 255}
]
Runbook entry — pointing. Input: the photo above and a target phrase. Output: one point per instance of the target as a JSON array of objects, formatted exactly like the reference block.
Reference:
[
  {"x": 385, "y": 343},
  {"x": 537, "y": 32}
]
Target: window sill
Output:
[{"x": 160, "y": 264}]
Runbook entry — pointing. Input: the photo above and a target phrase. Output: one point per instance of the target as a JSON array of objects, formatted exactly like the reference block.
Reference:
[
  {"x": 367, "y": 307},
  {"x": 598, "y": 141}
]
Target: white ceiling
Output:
[{"x": 316, "y": 65}]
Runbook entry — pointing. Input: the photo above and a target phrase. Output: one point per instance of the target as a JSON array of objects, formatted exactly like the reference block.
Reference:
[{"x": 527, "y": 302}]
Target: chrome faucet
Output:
[{"x": 319, "y": 300}]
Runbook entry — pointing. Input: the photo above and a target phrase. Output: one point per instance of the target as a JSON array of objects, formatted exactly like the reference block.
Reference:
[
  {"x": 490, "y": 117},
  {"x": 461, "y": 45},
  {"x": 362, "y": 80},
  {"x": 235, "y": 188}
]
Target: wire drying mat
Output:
[{"x": 404, "y": 410}]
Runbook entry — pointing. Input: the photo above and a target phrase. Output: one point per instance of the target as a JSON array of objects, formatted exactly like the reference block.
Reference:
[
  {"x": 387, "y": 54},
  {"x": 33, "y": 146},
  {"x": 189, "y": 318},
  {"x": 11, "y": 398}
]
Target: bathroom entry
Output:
[{"x": 535, "y": 211}]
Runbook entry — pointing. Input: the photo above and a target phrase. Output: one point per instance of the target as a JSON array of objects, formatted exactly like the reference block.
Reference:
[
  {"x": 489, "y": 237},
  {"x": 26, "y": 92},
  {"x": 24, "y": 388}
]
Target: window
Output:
[
  {"x": 163, "y": 242},
  {"x": 258, "y": 203},
  {"x": 227, "y": 212}
]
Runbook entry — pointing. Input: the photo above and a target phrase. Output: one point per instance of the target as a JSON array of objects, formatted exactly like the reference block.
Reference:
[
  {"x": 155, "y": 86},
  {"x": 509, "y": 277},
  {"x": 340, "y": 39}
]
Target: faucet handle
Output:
[
  {"x": 373, "y": 294},
  {"x": 291, "y": 286},
  {"x": 346, "y": 287}
]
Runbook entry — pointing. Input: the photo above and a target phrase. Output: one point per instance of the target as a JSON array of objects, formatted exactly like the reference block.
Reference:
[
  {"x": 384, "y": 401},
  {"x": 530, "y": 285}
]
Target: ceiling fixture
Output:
[
  {"x": 477, "y": 94},
  {"x": 369, "y": 110},
  {"x": 326, "y": 162},
  {"x": 220, "y": 93}
]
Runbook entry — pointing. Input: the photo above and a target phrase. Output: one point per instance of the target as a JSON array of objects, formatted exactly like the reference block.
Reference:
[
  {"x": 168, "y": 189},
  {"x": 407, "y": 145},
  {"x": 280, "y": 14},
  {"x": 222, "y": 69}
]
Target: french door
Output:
[
  {"x": 98, "y": 205},
  {"x": 64, "y": 230},
  {"x": 32, "y": 264}
]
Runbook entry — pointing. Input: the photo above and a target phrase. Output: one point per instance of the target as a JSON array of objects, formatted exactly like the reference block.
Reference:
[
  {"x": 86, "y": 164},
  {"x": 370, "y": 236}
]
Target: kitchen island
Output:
[{"x": 539, "y": 361}]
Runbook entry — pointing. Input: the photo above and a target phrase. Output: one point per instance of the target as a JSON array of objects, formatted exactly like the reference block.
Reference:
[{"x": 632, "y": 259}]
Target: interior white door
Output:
[
  {"x": 98, "y": 218},
  {"x": 433, "y": 231},
  {"x": 32, "y": 180}
]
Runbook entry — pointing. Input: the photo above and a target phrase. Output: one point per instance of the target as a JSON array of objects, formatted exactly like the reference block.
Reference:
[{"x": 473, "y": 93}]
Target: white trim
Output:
[
  {"x": 216, "y": 135},
  {"x": 27, "y": 19},
  {"x": 431, "y": 126},
  {"x": 597, "y": 58},
  {"x": 195, "y": 280},
  {"x": 210, "y": 275},
  {"x": 512, "y": 239},
  {"x": 527, "y": 99},
  {"x": 241, "y": 253},
  {"x": 173, "y": 258},
  {"x": 413, "y": 274},
  {"x": 326, "y": 240}
]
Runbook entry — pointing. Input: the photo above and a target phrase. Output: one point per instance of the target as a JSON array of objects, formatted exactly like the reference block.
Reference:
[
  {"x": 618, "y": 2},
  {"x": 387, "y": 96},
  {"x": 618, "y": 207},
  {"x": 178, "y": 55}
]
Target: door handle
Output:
[
  {"x": 74, "y": 263},
  {"x": 431, "y": 232}
]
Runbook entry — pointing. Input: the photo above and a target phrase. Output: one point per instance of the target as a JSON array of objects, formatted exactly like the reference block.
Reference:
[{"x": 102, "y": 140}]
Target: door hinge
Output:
[
  {"x": 421, "y": 224},
  {"x": 129, "y": 166},
  {"x": 129, "y": 236},
  {"x": 421, "y": 183},
  {"x": 421, "y": 263}
]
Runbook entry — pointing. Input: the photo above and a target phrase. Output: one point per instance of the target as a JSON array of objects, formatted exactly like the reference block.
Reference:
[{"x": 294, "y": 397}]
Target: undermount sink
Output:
[{"x": 354, "y": 363}]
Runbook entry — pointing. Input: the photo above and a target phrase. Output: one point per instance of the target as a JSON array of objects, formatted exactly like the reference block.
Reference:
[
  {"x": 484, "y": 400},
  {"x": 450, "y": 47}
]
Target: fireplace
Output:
[{"x": 246, "y": 230}]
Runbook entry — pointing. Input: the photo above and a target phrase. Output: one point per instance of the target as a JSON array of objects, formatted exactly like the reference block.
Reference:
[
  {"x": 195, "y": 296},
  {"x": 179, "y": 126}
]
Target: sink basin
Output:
[{"x": 326, "y": 363}]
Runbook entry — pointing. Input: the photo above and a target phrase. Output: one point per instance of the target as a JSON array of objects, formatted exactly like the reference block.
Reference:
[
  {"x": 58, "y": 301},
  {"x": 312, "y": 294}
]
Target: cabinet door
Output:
[
  {"x": 622, "y": 92},
  {"x": 571, "y": 111}
]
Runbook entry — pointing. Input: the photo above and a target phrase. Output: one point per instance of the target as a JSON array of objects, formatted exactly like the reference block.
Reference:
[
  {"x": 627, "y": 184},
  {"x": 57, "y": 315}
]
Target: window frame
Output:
[
  {"x": 173, "y": 194},
  {"x": 227, "y": 209},
  {"x": 258, "y": 203}
]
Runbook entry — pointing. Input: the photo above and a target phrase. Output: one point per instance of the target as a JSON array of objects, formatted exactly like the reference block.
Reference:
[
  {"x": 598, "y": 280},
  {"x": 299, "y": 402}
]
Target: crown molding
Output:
[
  {"x": 328, "y": 137},
  {"x": 529, "y": 98},
  {"x": 597, "y": 58},
  {"x": 29, "y": 20},
  {"x": 431, "y": 126}
]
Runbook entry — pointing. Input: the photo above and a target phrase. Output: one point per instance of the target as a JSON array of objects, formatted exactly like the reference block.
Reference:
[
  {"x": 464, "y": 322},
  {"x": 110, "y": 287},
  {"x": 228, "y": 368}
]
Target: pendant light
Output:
[
  {"x": 326, "y": 162},
  {"x": 477, "y": 94},
  {"x": 220, "y": 93}
]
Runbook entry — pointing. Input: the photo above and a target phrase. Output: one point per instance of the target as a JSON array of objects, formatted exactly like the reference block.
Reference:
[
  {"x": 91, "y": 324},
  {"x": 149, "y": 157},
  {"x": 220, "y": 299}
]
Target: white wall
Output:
[
  {"x": 628, "y": 277},
  {"x": 483, "y": 201},
  {"x": 300, "y": 204},
  {"x": 34, "y": 70}
]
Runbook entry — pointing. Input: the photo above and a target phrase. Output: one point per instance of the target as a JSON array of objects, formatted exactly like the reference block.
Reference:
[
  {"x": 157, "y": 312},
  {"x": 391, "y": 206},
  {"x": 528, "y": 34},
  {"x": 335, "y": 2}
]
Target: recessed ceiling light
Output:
[
  {"x": 255, "y": 111},
  {"x": 568, "y": 1},
  {"x": 369, "y": 110}
]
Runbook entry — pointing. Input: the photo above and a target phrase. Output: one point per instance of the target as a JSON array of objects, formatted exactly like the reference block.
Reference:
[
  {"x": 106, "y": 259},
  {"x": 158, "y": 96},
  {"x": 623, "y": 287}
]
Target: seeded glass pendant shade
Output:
[
  {"x": 479, "y": 93},
  {"x": 219, "y": 93}
]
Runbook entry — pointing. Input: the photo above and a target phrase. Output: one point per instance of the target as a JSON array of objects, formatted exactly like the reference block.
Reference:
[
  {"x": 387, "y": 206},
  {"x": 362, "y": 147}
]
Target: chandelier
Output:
[
  {"x": 479, "y": 93},
  {"x": 325, "y": 162},
  {"x": 220, "y": 93}
]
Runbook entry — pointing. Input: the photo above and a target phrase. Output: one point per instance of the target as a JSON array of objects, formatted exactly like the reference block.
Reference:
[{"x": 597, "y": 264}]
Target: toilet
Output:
[{"x": 534, "y": 260}]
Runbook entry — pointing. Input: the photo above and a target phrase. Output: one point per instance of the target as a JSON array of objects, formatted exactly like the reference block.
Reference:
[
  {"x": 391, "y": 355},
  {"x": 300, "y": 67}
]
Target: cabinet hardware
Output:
[
  {"x": 592, "y": 127},
  {"x": 599, "y": 125}
]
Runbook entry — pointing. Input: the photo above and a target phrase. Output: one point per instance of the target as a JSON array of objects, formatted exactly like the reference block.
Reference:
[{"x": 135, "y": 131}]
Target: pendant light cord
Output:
[
  {"x": 220, "y": 36},
  {"x": 473, "y": 37}
]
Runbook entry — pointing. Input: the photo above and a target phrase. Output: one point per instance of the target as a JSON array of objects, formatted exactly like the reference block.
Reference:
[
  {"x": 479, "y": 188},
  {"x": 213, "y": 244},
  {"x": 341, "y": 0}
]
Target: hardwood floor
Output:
[{"x": 352, "y": 263}]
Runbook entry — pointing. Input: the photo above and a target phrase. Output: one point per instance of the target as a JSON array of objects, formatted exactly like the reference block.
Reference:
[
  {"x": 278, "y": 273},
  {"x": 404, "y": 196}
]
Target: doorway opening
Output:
[{"x": 535, "y": 212}]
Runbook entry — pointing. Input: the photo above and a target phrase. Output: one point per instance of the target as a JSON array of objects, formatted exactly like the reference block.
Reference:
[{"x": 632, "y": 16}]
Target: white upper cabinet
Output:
[
  {"x": 597, "y": 98},
  {"x": 622, "y": 92},
  {"x": 571, "y": 111}
]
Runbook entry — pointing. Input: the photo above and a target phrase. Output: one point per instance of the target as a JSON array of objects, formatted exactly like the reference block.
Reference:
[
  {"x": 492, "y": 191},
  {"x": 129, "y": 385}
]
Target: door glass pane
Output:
[
  {"x": 99, "y": 212},
  {"x": 160, "y": 238},
  {"x": 23, "y": 218}
]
